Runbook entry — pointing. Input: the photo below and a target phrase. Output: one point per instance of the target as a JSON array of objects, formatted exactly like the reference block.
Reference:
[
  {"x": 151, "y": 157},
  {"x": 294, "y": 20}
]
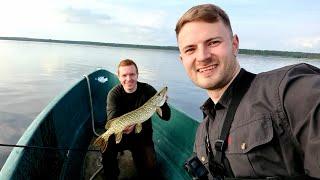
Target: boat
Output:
[{"x": 57, "y": 142}]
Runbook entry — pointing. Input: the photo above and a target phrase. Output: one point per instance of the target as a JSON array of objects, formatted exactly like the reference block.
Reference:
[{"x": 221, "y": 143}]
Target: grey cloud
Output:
[{"x": 85, "y": 16}]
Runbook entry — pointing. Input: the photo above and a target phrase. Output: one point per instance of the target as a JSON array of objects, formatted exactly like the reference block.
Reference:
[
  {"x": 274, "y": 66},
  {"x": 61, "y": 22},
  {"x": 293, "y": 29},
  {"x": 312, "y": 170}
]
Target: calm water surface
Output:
[{"x": 33, "y": 73}]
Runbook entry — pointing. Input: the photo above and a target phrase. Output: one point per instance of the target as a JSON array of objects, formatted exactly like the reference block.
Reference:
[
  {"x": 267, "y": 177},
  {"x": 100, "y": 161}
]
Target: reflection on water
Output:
[
  {"x": 33, "y": 73},
  {"x": 11, "y": 128}
]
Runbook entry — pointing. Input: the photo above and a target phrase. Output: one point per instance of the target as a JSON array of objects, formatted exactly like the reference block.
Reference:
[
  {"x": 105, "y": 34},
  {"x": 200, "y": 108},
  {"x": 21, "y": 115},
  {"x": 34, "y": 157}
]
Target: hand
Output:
[{"x": 129, "y": 129}]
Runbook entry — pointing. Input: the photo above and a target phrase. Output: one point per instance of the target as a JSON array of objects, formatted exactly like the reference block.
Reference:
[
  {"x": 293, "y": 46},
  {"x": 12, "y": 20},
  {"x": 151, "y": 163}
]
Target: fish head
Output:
[{"x": 160, "y": 97}]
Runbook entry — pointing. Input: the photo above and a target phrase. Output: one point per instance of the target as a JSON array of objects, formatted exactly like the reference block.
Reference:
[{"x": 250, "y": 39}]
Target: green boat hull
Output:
[{"x": 66, "y": 124}]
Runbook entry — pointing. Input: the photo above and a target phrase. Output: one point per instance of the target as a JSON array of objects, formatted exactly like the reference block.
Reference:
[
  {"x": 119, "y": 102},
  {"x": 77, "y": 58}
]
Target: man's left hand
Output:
[{"x": 129, "y": 129}]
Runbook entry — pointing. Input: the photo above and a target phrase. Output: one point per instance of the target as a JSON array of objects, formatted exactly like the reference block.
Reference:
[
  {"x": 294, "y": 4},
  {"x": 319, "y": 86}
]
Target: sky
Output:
[{"x": 286, "y": 25}]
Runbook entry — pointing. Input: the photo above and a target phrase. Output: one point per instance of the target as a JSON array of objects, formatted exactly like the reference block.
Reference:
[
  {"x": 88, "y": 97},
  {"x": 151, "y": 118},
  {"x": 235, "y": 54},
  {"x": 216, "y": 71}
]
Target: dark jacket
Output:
[
  {"x": 119, "y": 102},
  {"x": 276, "y": 128}
]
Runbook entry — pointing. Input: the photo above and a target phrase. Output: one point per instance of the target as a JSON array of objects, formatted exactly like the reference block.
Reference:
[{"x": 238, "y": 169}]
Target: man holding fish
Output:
[{"x": 129, "y": 108}]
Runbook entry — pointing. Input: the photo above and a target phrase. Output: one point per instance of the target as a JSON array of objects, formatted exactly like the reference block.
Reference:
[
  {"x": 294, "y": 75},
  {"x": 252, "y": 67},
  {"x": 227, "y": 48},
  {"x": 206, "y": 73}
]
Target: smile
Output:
[{"x": 207, "y": 68}]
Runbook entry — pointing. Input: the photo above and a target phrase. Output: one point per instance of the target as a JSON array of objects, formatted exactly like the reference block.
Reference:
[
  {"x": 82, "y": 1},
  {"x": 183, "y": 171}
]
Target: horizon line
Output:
[{"x": 145, "y": 46}]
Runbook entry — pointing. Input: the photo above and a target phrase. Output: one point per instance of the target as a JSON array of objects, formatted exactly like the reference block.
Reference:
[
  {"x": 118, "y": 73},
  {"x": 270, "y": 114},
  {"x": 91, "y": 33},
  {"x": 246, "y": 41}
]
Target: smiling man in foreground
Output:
[{"x": 255, "y": 126}]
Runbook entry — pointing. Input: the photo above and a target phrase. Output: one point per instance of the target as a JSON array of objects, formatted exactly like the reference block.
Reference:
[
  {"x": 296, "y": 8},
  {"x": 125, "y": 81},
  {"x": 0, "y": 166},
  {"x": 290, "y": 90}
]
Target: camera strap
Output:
[{"x": 240, "y": 86}]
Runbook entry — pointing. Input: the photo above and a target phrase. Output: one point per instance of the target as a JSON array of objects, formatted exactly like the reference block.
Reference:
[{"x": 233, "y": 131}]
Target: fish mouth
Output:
[
  {"x": 164, "y": 91},
  {"x": 160, "y": 98},
  {"x": 207, "y": 68}
]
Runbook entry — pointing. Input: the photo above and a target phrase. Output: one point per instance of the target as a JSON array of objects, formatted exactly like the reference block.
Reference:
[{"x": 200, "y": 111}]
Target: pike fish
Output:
[{"x": 137, "y": 116}]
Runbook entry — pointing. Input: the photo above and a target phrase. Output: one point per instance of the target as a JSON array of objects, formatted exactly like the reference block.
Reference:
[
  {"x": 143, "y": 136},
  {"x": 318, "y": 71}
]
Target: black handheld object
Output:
[{"x": 195, "y": 168}]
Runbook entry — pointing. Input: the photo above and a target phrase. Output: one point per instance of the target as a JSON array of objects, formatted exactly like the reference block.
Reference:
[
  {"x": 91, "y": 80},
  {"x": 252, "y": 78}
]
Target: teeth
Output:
[{"x": 208, "y": 68}]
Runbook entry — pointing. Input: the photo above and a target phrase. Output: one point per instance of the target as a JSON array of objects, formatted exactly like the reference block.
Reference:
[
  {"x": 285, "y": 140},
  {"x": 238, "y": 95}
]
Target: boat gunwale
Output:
[{"x": 16, "y": 154}]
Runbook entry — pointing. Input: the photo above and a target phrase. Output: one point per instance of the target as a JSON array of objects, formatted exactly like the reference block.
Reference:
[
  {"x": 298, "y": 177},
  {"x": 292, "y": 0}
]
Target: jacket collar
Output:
[{"x": 225, "y": 99}]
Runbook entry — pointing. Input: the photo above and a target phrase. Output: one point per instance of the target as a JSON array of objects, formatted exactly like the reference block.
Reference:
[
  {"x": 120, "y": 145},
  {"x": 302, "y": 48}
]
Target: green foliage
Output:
[
  {"x": 280, "y": 53},
  {"x": 241, "y": 51},
  {"x": 90, "y": 43}
]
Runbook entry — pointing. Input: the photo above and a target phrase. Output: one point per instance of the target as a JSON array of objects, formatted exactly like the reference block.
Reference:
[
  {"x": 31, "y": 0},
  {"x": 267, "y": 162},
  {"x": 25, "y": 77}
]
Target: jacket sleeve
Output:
[
  {"x": 301, "y": 102},
  {"x": 166, "y": 112},
  {"x": 112, "y": 109}
]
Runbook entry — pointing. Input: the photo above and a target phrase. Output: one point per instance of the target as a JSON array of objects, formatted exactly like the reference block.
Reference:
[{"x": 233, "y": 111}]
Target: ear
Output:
[
  {"x": 180, "y": 57},
  {"x": 235, "y": 45}
]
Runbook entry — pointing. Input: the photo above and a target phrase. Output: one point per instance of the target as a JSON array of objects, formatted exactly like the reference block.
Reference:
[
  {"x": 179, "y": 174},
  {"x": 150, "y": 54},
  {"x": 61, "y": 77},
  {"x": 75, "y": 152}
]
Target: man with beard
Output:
[{"x": 264, "y": 126}]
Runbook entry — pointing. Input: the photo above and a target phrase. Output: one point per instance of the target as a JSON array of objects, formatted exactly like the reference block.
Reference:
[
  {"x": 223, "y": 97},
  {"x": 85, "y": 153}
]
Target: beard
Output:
[{"x": 213, "y": 83}]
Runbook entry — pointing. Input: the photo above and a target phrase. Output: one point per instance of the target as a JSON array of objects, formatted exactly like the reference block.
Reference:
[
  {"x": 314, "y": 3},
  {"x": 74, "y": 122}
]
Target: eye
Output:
[
  {"x": 189, "y": 50},
  {"x": 214, "y": 43}
]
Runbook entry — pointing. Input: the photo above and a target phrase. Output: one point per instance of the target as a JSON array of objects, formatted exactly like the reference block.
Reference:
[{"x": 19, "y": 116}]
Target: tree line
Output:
[{"x": 241, "y": 51}]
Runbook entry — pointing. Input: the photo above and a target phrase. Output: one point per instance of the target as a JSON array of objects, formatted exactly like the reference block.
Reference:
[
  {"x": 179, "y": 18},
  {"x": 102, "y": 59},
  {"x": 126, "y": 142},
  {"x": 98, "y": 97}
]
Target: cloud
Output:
[
  {"x": 311, "y": 44},
  {"x": 119, "y": 23},
  {"x": 85, "y": 16},
  {"x": 115, "y": 14}
]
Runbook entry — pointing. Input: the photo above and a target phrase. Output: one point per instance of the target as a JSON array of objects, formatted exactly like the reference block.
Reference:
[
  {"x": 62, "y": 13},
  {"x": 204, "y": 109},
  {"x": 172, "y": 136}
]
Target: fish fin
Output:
[
  {"x": 102, "y": 141},
  {"x": 108, "y": 124},
  {"x": 138, "y": 128},
  {"x": 159, "y": 111},
  {"x": 118, "y": 137}
]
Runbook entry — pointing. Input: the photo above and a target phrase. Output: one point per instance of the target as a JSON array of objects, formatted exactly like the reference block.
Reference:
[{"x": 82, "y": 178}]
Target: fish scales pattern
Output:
[{"x": 138, "y": 116}]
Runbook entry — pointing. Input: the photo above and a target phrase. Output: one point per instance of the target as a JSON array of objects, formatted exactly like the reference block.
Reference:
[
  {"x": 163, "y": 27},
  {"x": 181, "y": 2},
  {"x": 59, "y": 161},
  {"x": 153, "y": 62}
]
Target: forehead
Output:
[
  {"x": 198, "y": 31},
  {"x": 127, "y": 69}
]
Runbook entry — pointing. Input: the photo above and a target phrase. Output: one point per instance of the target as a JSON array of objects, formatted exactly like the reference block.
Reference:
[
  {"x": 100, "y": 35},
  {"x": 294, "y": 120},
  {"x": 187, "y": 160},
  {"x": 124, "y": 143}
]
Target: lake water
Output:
[{"x": 33, "y": 73}]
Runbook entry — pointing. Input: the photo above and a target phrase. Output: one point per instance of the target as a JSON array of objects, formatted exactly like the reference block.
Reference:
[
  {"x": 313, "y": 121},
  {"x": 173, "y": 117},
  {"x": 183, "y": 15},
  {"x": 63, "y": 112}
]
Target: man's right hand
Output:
[{"x": 129, "y": 129}]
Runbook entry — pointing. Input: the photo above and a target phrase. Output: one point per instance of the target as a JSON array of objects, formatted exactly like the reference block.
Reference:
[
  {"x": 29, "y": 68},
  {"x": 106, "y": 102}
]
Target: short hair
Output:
[
  {"x": 206, "y": 12},
  {"x": 127, "y": 62}
]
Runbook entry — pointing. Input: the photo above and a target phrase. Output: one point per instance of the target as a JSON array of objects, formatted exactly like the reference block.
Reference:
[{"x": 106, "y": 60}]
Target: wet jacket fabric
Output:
[{"x": 276, "y": 128}]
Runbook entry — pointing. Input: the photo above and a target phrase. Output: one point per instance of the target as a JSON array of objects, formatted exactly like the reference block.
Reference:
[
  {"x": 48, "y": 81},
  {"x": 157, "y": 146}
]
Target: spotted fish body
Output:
[{"x": 138, "y": 116}]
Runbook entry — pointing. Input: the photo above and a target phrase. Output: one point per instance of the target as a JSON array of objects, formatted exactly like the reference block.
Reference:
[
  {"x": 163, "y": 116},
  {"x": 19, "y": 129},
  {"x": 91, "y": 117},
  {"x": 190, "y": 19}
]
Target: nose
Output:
[
  {"x": 128, "y": 78},
  {"x": 203, "y": 54}
]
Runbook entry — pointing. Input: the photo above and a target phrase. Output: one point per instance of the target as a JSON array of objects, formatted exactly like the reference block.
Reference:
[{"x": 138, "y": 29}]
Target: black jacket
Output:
[{"x": 119, "y": 102}]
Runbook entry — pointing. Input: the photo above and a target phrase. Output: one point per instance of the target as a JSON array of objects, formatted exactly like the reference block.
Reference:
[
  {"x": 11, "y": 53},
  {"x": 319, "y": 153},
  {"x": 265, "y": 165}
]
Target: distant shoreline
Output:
[{"x": 241, "y": 51}]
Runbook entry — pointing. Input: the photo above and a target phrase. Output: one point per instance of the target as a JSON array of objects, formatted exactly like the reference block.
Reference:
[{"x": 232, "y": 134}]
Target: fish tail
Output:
[{"x": 102, "y": 141}]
